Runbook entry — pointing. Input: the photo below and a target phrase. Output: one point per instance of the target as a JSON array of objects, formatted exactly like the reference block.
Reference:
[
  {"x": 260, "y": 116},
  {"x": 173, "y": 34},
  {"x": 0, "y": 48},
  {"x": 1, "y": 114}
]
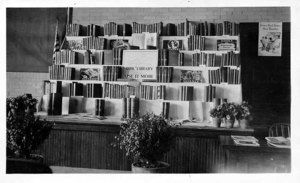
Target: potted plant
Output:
[
  {"x": 24, "y": 131},
  {"x": 229, "y": 113},
  {"x": 217, "y": 114},
  {"x": 146, "y": 139},
  {"x": 244, "y": 115}
]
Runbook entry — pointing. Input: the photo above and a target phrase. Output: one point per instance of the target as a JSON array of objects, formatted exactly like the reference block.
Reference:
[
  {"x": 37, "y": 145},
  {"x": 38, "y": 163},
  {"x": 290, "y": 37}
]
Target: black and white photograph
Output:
[{"x": 202, "y": 91}]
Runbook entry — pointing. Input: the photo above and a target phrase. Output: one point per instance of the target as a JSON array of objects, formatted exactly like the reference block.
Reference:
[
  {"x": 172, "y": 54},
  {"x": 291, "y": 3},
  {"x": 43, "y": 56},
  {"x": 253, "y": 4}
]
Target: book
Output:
[
  {"x": 170, "y": 29},
  {"x": 90, "y": 74},
  {"x": 166, "y": 109},
  {"x": 280, "y": 142},
  {"x": 245, "y": 140},
  {"x": 172, "y": 44},
  {"x": 191, "y": 76}
]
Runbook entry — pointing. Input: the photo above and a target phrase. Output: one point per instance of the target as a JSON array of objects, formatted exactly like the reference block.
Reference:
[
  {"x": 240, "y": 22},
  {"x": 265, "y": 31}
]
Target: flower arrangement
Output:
[
  {"x": 243, "y": 111},
  {"x": 145, "y": 139},
  {"x": 230, "y": 110},
  {"x": 25, "y": 132},
  {"x": 217, "y": 112}
]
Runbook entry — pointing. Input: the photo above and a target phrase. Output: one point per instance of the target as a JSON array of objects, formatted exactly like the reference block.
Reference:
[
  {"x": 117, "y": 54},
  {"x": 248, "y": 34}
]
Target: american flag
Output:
[{"x": 56, "y": 41}]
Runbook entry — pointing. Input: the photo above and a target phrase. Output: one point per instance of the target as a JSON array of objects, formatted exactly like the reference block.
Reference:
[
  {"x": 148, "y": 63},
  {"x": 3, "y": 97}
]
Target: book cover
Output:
[
  {"x": 90, "y": 74},
  {"x": 56, "y": 103},
  {"x": 170, "y": 29},
  {"x": 172, "y": 44},
  {"x": 108, "y": 57},
  {"x": 191, "y": 76},
  {"x": 226, "y": 45}
]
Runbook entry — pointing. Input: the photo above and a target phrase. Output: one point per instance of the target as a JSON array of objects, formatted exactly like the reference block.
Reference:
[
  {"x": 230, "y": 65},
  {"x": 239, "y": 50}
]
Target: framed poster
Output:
[{"x": 270, "y": 39}]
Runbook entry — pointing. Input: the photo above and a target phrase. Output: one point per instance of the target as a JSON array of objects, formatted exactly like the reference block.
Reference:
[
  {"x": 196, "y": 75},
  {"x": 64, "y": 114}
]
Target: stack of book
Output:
[
  {"x": 131, "y": 107},
  {"x": 111, "y": 73},
  {"x": 93, "y": 90},
  {"x": 245, "y": 140},
  {"x": 117, "y": 56},
  {"x": 60, "y": 72},
  {"x": 152, "y": 28},
  {"x": 94, "y": 30},
  {"x": 210, "y": 93},
  {"x": 164, "y": 74},
  {"x": 196, "y": 42},
  {"x": 230, "y": 59},
  {"x": 94, "y": 43},
  {"x": 186, "y": 93},
  {"x": 280, "y": 142},
  {"x": 73, "y": 30},
  {"x": 110, "y": 29},
  {"x": 166, "y": 109},
  {"x": 99, "y": 107}
]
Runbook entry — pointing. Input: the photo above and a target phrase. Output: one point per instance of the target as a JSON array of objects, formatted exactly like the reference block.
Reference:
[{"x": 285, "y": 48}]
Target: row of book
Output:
[
  {"x": 99, "y": 107},
  {"x": 164, "y": 74},
  {"x": 60, "y": 72},
  {"x": 204, "y": 28},
  {"x": 191, "y": 76},
  {"x": 210, "y": 93},
  {"x": 131, "y": 107},
  {"x": 213, "y": 60},
  {"x": 112, "y": 73},
  {"x": 186, "y": 93},
  {"x": 170, "y": 58},
  {"x": 147, "y": 92},
  {"x": 196, "y": 42},
  {"x": 52, "y": 87},
  {"x": 224, "y": 75},
  {"x": 96, "y": 43},
  {"x": 151, "y": 28}
]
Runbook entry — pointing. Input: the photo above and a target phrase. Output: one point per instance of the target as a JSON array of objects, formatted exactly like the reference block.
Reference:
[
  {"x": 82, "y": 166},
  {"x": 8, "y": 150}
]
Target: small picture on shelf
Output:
[
  {"x": 119, "y": 43},
  {"x": 226, "y": 45},
  {"x": 191, "y": 76},
  {"x": 75, "y": 45},
  {"x": 90, "y": 74},
  {"x": 172, "y": 44}
]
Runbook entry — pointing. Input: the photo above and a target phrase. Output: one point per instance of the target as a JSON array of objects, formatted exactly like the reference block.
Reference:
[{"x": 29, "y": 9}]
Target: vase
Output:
[
  {"x": 229, "y": 123},
  {"x": 216, "y": 122},
  {"x": 163, "y": 169},
  {"x": 244, "y": 123}
]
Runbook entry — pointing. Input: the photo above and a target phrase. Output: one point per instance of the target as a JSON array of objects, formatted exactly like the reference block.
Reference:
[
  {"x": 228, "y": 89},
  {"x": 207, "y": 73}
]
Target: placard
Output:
[
  {"x": 270, "y": 39},
  {"x": 140, "y": 64},
  {"x": 226, "y": 45}
]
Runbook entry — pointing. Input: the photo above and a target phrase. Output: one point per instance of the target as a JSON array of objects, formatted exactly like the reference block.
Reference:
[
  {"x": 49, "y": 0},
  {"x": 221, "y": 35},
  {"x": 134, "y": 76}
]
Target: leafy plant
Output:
[
  {"x": 217, "y": 112},
  {"x": 24, "y": 131},
  {"x": 146, "y": 139},
  {"x": 243, "y": 111}
]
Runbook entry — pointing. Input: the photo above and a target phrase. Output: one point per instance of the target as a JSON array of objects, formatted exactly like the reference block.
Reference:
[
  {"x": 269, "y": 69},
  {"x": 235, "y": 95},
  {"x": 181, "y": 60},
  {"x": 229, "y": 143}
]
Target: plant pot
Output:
[
  {"x": 229, "y": 123},
  {"x": 22, "y": 165},
  {"x": 244, "y": 123},
  {"x": 164, "y": 169},
  {"x": 216, "y": 122}
]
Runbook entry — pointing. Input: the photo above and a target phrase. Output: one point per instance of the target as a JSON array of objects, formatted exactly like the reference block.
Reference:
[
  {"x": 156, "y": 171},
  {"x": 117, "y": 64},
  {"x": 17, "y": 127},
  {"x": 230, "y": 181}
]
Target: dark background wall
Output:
[
  {"x": 30, "y": 37},
  {"x": 266, "y": 81}
]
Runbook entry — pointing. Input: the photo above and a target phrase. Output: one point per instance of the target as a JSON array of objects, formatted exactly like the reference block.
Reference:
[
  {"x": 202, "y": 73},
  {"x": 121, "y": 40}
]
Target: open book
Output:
[
  {"x": 280, "y": 142},
  {"x": 245, "y": 140}
]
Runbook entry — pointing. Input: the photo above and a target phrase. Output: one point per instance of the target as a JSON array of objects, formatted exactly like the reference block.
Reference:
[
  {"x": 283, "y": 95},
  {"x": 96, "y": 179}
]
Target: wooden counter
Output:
[{"x": 86, "y": 143}]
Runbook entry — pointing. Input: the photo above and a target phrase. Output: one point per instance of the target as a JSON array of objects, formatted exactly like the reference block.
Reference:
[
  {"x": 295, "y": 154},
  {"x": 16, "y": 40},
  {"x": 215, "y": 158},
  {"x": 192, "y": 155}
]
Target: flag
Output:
[{"x": 56, "y": 41}]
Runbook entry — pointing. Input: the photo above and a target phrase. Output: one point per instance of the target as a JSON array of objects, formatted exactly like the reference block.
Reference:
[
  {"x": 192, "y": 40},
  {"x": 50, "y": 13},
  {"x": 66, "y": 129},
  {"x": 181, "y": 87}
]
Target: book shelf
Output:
[{"x": 187, "y": 79}]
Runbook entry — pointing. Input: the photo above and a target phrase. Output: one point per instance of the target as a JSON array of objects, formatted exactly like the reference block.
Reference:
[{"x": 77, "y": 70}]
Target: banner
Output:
[{"x": 270, "y": 39}]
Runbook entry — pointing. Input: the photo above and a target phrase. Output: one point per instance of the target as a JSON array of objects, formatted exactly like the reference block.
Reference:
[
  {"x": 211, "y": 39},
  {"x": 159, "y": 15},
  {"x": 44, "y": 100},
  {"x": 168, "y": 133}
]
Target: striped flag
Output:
[{"x": 56, "y": 41}]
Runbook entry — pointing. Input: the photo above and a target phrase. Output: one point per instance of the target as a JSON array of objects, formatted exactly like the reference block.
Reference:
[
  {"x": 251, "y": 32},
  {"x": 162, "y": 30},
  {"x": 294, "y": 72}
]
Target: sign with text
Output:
[
  {"x": 269, "y": 39},
  {"x": 140, "y": 64}
]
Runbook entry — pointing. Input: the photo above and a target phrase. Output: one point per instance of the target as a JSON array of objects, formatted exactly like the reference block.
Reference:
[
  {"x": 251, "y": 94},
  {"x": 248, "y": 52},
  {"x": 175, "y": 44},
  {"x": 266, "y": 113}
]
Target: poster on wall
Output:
[{"x": 270, "y": 39}]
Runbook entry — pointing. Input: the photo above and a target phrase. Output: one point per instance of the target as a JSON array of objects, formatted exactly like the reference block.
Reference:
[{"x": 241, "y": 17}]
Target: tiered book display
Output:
[{"x": 122, "y": 70}]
